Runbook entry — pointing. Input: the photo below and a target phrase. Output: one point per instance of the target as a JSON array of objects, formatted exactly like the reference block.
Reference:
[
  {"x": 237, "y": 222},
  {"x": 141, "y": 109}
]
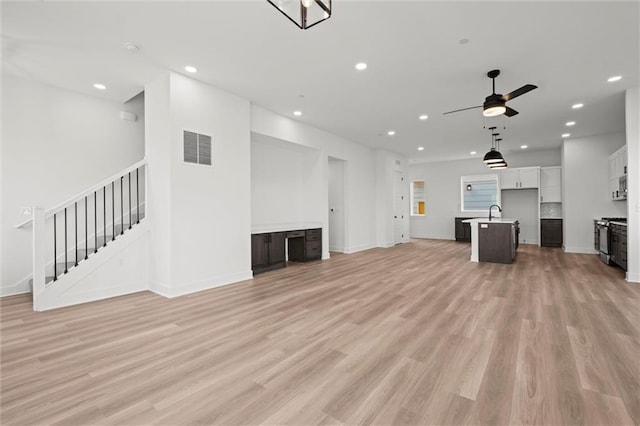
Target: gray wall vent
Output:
[{"x": 197, "y": 148}]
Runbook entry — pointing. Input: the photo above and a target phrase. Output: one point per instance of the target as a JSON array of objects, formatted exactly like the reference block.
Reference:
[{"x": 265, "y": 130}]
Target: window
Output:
[
  {"x": 478, "y": 193},
  {"x": 417, "y": 198},
  {"x": 197, "y": 148}
]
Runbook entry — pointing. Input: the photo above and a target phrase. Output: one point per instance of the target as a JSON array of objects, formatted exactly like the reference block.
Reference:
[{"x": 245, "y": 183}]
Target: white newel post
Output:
[{"x": 38, "y": 256}]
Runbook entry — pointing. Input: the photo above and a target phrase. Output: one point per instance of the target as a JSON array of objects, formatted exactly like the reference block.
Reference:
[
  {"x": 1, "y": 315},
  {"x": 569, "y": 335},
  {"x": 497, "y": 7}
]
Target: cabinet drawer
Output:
[
  {"x": 314, "y": 234},
  {"x": 295, "y": 234},
  {"x": 314, "y": 252}
]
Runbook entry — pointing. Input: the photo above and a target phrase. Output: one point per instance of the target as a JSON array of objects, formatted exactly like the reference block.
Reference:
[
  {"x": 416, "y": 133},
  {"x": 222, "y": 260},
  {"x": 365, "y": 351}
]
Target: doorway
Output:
[
  {"x": 398, "y": 207},
  {"x": 336, "y": 205}
]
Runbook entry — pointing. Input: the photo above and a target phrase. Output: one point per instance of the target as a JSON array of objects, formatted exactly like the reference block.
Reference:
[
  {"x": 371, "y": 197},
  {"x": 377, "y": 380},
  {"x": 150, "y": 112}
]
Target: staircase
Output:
[{"x": 82, "y": 234}]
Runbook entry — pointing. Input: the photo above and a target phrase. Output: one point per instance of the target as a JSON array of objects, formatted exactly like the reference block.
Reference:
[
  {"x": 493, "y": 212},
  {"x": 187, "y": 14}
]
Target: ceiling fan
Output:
[{"x": 495, "y": 103}]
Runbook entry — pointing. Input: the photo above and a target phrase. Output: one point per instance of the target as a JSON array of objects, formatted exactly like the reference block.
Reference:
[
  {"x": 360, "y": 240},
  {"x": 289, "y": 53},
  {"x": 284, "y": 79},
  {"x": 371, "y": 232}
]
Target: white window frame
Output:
[{"x": 464, "y": 180}]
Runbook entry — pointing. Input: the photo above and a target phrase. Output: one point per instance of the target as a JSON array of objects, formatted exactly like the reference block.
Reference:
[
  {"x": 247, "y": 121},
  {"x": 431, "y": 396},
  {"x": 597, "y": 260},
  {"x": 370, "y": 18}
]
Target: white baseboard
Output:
[
  {"x": 385, "y": 245},
  {"x": 200, "y": 285},
  {"x": 633, "y": 277},
  {"x": 21, "y": 287},
  {"x": 579, "y": 250},
  {"x": 434, "y": 237},
  {"x": 336, "y": 249},
  {"x": 355, "y": 249}
]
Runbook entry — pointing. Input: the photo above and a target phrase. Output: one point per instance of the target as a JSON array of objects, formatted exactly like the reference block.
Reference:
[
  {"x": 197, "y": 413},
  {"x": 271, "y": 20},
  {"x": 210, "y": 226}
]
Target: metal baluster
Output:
[
  {"x": 95, "y": 220},
  {"x": 129, "y": 182},
  {"x": 75, "y": 220},
  {"x": 137, "y": 196},
  {"x": 65, "y": 240},
  {"x": 121, "y": 208},
  {"x": 104, "y": 214},
  {"x": 86, "y": 230},
  {"x": 55, "y": 261},
  {"x": 113, "y": 213}
]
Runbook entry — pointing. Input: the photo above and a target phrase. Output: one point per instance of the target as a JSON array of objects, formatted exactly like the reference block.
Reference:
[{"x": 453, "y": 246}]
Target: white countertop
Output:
[
  {"x": 280, "y": 227},
  {"x": 493, "y": 220}
]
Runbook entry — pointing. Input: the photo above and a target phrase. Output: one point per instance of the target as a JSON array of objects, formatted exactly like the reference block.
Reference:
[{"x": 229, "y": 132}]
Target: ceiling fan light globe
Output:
[{"x": 494, "y": 111}]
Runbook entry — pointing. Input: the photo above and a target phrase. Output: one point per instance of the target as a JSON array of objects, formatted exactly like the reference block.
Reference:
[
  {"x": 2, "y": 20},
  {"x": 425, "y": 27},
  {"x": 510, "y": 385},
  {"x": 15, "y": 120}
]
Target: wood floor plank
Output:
[{"x": 414, "y": 334}]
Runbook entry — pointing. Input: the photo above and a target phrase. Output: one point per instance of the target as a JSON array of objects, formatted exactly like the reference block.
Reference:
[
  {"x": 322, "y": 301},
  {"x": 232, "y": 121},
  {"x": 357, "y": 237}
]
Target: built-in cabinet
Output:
[
  {"x": 618, "y": 172},
  {"x": 618, "y": 245},
  {"x": 522, "y": 178},
  {"x": 269, "y": 249},
  {"x": 550, "y": 184},
  {"x": 462, "y": 230},
  {"x": 551, "y": 232}
]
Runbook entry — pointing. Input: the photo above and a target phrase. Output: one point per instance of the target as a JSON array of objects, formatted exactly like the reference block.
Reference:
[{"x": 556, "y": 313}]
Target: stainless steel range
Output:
[{"x": 603, "y": 238}]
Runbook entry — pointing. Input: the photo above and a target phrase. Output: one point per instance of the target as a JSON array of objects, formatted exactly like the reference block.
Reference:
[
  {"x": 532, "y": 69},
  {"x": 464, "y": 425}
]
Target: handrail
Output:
[{"x": 60, "y": 206}]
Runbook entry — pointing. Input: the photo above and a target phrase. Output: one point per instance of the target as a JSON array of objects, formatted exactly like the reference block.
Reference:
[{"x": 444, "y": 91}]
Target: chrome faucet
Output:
[{"x": 491, "y": 207}]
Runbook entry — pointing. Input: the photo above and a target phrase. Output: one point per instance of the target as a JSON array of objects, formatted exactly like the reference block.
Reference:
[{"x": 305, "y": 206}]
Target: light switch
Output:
[{"x": 484, "y": 225}]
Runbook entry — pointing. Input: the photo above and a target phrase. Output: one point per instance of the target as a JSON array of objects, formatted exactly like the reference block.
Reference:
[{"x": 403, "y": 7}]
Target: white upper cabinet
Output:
[
  {"x": 523, "y": 178},
  {"x": 550, "y": 184},
  {"x": 618, "y": 163}
]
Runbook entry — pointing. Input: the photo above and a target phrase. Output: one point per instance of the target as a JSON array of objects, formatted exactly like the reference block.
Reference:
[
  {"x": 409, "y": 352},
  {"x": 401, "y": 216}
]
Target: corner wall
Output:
[
  {"x": 206, "y": 210},
  {"x": 632, "y": 102},
  {"x": 585, "y": 188}
]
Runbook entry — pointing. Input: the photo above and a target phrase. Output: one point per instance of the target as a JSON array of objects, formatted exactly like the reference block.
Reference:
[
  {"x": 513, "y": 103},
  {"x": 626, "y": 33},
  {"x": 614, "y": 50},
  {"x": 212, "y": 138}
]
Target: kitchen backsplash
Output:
[{"x": 551, "y": 210}]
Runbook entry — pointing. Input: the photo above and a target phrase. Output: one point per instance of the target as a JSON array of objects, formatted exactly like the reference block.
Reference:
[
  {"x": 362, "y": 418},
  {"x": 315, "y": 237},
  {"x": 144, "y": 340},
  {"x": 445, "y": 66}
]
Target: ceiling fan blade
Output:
[
  {"x": 463, "y": 109},
  {"x": 510, "y": 112},
  {"x": 521, "y": 91}
]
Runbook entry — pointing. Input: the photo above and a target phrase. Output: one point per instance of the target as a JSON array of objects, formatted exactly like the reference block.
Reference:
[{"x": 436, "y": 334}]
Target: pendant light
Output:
[
  {"x": 304, "y": 13},
  {"x": 493, "y": 156},
  {"x": 498, "y": 165}
]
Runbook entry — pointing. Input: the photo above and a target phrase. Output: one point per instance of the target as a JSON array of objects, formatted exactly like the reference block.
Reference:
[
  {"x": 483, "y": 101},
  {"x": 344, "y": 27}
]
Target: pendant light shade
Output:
[
  {"x": 493, "y": 156},
  {"x": 304, "y": 13}
]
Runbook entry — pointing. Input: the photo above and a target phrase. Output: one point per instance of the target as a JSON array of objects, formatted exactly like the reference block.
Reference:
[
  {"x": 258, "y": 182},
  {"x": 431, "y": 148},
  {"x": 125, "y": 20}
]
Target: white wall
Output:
[
  {"x": 286, "y": 183},
  {"x": 55, "y": 143},
  {"x": 209, "y": 208},
  {"x": 360, "y": 174},
  {"x": 585, "y": 190},
  {"x": 632, "y": 103},
  {"x": 442, "y": 188}
]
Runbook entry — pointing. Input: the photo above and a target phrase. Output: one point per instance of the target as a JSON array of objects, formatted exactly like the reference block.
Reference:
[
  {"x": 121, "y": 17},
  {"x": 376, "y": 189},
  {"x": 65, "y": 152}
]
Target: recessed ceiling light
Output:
[
  {"x": 424, "y": 117},
  {"x": 100, "y": 86},
  {"x": 391, "y": 132},
  {"x": 190, "y": 68},
  {"x": 570, "y": 123},
  {"x": 131, "y": 47},
  {"x": 524, "y": 146},
  {"x": 614, "y": 78},
  {"x": 566, "y": 135},
  {"x": 297, "y": 113},
  {"x": 577, "y": 106},
  {"x": 361, "y": 66},
  {"x": 463, "y": 41},
  {"x": 473, "y": 153},
  {"x": 421, "y": 148}
]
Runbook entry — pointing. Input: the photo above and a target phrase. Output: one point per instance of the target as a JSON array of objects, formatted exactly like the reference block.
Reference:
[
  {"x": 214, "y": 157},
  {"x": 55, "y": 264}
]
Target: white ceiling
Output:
[{"x": 416, "y": 63}]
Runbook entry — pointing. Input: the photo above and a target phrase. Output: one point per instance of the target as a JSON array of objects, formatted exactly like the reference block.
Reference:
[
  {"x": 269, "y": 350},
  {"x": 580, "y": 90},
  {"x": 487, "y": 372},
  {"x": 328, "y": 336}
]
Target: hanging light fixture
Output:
[
  {"x": 501, "y": 164},
  {"x": 304, "y": 13},
  {"x": 493, "y": 156}
]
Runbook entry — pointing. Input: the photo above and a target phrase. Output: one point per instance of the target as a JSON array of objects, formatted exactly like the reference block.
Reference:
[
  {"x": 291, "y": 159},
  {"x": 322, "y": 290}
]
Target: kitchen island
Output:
[{"x": 494, "y": 240}]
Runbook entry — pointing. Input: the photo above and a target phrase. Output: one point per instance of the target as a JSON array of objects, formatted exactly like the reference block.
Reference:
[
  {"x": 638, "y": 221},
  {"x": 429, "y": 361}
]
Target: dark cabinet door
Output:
[
  {"x": 551, "y": 232},
  {"x": 259, "y": 251},
  {"x": 276, "y": 248},
  {"x": 462, "y": 230}
]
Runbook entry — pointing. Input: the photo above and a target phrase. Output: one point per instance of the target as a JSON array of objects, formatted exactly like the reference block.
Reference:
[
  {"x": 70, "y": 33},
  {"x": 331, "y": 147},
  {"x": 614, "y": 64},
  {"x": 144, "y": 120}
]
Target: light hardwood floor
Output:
[{"x": 414, "y": 334}]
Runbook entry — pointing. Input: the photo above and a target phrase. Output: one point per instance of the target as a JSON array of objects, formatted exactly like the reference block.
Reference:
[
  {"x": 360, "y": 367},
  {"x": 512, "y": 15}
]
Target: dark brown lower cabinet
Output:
[
  {"x": 618, "y": 245},
  {"x": 497, "y": 242},
  {"x": 551, "y": 232},
  {"x": 463, "y": 230},
  {"x": 267, "y": 251},
  {"x": 303, "y": 248}
]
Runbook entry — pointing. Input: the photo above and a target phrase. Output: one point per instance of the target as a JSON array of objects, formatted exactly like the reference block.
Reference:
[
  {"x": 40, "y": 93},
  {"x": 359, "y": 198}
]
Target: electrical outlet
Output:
[{"x": 26, "y": 211}]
